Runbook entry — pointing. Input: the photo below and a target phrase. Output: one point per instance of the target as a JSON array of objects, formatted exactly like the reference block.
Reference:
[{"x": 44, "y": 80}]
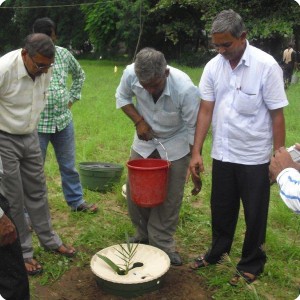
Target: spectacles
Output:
[{"x": 41, "y": 67}]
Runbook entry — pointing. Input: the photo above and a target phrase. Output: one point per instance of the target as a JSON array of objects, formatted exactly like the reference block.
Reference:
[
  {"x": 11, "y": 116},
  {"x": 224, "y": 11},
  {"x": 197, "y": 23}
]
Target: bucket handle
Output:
[{"x": 156, "y": 140}]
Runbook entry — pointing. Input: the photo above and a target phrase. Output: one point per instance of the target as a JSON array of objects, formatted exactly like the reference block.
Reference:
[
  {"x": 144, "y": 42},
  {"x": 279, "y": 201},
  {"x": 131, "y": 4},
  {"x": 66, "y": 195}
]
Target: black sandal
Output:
[
  {"x": 84, "y": 207},
  {"x": 34, "y": 263},
  {"x": 199, "y": 263},
  {"x": 242, "y": 276},
  {"x": 68, "y": 253}
]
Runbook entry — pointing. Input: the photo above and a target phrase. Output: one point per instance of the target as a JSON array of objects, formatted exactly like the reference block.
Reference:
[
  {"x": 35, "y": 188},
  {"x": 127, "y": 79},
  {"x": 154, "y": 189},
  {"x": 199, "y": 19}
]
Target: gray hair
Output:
[
  {"x": 149, "y": 64},
  {"x": 228, "y": 21},
  {"x": 39, "y": 43}
]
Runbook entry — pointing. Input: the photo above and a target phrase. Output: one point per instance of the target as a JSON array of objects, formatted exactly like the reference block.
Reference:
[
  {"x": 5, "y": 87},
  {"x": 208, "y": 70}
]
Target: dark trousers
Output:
[
  {"x": 13, "y": 276},
  {"x": 230, "y": 184}
]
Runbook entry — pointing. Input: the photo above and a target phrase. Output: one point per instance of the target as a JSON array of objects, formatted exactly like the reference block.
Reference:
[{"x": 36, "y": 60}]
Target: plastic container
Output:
[{"x": 99, "y": 176}]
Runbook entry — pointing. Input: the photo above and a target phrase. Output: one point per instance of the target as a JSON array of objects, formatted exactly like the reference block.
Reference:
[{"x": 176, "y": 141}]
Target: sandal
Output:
[
  {"x": 84, "y": 207},
  {"x": 247, "y": 277},
  {"x": 64, "y": 250},
  {"x": 34, "y": 265},
  {"x": 199, "y": 263}
]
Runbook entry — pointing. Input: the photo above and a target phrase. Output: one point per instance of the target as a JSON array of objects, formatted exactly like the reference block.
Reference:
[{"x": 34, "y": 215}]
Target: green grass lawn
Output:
[{"x": 104, "y": 134}]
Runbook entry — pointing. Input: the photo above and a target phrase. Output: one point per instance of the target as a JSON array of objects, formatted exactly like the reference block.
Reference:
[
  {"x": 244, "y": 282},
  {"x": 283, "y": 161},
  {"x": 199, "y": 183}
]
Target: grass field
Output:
[{"x": 105, "y": 134}]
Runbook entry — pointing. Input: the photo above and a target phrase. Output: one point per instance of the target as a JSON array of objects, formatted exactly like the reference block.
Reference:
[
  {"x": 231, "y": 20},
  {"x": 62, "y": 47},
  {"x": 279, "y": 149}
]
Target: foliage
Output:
[
  {"x": 110, "y": 24},
  {"x": 17, "y": 22}
]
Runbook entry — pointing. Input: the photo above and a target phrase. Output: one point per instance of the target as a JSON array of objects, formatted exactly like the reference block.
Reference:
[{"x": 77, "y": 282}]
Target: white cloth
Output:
[
  {"x": 21, "y": 98},
  {"x": 289, "y": 183},
  {"x": 287, "y": 55},
  {"x": 241, "y": 124},
  {"x": 173, "y": 117}
]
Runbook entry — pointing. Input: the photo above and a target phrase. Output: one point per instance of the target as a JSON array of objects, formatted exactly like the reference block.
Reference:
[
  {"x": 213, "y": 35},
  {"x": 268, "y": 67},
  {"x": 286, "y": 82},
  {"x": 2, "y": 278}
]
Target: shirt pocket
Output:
[
  {"x": 246, "y": 104},
  {"x": 168, "y": 119}
]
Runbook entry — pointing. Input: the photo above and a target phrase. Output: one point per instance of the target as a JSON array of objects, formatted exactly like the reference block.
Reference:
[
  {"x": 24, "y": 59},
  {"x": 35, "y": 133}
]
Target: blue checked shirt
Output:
[{"x": 56, "y": 114}]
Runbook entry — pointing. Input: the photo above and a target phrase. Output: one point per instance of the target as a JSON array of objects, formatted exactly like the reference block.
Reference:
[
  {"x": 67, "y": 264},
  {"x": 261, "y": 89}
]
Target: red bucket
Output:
[{"x": 148, "y": 181}]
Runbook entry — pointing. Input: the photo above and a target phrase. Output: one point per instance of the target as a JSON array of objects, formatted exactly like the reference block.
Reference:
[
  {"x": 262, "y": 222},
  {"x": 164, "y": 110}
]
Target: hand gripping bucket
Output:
[{"x": 148, "y": 181}]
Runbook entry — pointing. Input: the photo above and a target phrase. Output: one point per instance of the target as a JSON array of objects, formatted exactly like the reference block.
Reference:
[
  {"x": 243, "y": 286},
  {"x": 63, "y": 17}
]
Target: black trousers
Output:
[
  {"x": 13, "y": 276},
  {"x": 230, "y": 184}
]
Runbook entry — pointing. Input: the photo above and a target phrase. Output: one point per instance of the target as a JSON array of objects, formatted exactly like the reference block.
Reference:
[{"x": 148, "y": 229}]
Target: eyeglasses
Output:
[{"x": 39, "y": 66}]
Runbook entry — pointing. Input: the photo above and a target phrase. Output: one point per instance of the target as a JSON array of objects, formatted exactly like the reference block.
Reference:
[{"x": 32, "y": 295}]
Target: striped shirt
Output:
[
  {"x": 289, "y": 183},
  {"x": 56, "y": 114}
]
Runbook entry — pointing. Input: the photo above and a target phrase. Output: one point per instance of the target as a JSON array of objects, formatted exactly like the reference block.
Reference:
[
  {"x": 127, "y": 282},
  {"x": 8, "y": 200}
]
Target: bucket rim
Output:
[{"x": 167, "y": 165}]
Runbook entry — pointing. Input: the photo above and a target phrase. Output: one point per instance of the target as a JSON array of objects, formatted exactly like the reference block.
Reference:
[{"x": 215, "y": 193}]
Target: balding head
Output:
[{"x": 39, "y": 43}]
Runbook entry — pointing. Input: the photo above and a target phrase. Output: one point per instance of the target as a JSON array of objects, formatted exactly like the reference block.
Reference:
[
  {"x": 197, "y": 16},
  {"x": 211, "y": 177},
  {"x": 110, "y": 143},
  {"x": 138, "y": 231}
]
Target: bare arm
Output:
[
  {"x": 203, "y": 123},
  {"x": 144, "y": 131},
  {"x": 8, "y": 232},
  {"x": 278, "y": 125}
]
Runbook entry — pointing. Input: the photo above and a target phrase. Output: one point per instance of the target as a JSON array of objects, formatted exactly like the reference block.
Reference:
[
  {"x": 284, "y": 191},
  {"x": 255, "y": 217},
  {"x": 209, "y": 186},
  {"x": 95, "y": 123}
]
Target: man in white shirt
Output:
[
  {"x": 242, "y": 96},
  {"x": 24, "y": 80},
  {"x": 289, "y": 61},
  {"x": 287, "y": 174},
  {"x": 166, "y": 108}
]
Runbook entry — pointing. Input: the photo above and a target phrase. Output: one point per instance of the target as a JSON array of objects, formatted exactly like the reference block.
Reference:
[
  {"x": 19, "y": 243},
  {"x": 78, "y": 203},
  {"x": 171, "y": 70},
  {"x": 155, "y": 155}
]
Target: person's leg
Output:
[
  {"x": 14, "y": 283},
  {"x": 44, "y": 139},
  {"x": 12, "y": 152},
  {"x": 35, "y": 193},
  {"x": 255, "y": 193},
  {"x": 225, "y": 204},
  {"x": 64, "y": 147},
  {"x": 164, "y": 218}
]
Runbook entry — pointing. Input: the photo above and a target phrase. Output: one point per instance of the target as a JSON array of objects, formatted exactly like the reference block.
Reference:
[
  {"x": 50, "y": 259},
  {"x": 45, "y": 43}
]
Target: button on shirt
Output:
[
  {"x": 56, "y": 114},
  {"x": 21, "y": 98},
  {"x": 172, "y": 118},
  {"x": 241, "y": 123}
]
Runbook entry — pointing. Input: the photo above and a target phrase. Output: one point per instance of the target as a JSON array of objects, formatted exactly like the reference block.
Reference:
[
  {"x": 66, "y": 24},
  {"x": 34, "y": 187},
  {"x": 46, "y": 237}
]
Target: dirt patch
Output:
[{"x": 79, "y": 284}]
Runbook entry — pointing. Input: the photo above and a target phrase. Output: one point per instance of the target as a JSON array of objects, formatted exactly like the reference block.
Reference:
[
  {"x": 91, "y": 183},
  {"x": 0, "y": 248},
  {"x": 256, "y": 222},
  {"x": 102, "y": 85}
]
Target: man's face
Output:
[
  {"x": 37, "y": 64},
  {"x": 156, "y": 85},
  {"x": 229, "y": 47}
]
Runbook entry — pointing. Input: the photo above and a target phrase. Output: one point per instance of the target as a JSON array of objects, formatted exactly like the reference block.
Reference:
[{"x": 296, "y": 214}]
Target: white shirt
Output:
[
  {"x": 21, "y": 99},
  {"x": 289, "y": 183},
  {"x": 173, "y": 117},
  {"x": 241, "y": 123}
]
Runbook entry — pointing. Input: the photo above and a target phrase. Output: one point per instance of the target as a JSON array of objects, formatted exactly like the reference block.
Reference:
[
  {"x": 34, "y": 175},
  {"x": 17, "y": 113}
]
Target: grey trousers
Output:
[
  {"x": 24, "y": 185},
  {"x": 158, "y": 224}
]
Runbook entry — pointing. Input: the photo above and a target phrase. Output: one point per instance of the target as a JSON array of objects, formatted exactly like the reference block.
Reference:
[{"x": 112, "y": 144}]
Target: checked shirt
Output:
[{"x": 57, "y": 115}]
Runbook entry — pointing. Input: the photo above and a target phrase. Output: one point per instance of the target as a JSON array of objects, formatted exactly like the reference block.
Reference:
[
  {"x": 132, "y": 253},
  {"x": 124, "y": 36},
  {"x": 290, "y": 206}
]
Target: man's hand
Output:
[
  {"x": 144, "y": 131},
  {"x": 279, "y": 162},
  {"x": 8, "y": 232},
  {"x": 196, "y": 181},
  {"x": 195, "y": 167}
]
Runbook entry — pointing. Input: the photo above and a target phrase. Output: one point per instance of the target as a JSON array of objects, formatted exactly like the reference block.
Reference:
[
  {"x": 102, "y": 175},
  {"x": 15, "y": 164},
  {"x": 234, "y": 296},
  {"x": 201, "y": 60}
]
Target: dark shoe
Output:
[
  {"x": 64, "y": 250},
  {"x": 84, "y": 207},
  {"x": 33, "y": 267},
  {"x": 199, "y": 263},
  {"x": 136, "y": 240},
  {"x": 175, "y": 258},
  {"x": 247, "y": 277}
]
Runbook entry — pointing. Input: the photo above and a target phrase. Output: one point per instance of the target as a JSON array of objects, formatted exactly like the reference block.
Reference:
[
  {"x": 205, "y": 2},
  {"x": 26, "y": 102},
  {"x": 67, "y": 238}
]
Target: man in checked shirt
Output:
[{"x": 56, "y": 125}]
